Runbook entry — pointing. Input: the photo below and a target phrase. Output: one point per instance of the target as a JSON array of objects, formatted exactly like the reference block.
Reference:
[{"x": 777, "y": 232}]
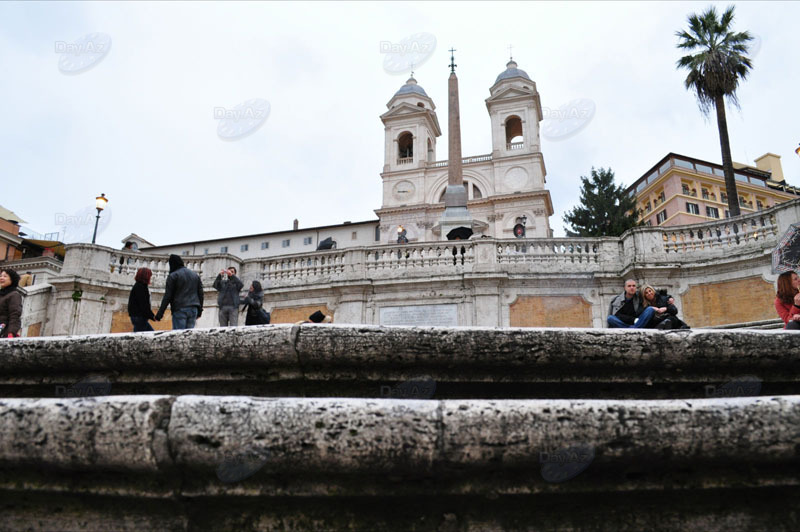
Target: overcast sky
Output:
[{"x": 136, "y": 120}]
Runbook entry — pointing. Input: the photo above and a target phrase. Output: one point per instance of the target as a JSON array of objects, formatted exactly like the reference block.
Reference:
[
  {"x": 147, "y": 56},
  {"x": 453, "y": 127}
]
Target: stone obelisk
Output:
[{"x": 455, "y": 197}]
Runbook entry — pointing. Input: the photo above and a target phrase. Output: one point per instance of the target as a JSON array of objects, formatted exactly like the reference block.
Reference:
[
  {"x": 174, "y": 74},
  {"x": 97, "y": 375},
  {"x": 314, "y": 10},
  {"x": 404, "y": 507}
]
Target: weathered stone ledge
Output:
[
  {"x": 308, "y": 445},
  {"x": 364, "y": 361}
]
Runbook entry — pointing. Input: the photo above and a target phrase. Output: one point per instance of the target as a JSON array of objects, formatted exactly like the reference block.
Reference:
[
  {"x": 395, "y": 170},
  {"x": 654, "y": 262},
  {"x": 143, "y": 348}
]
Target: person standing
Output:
[
  {"x": 254, "y": 304},
  {"x": 787, "y": 300},
  {"x": 228, "y": 286},
  {"x": 139, "y": 308},
  {"x": 184, "y": 295},
  {"x": 10, "y": 304},
  {"x": 627, "y": 311}
]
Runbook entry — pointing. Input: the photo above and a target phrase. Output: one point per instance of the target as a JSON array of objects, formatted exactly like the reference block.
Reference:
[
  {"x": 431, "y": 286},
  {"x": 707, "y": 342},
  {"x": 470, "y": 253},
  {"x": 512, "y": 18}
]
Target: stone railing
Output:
[
  {"x": 540, "y": 251},
  {"x": 731, "y": 232},
  {"x": 465, "y": 160},
  {"x": 718, "y": 240},
  {"x": 418, "y": 256},
  {"x": 515, "y": 145},
  {"x": 123, "y": 266},
  {"x": 315, "y": 264},
  {"x": 405, "y": 160}
]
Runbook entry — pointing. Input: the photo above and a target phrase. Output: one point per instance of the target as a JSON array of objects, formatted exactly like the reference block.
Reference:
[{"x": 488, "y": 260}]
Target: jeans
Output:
[
  {"x": 140, "y": 324},
  {"x": 228, "y": 316},
  {"x": 644, "y": 319},
  {"x": 184, "y": 318},
  {"x": 793, "y": 326}
]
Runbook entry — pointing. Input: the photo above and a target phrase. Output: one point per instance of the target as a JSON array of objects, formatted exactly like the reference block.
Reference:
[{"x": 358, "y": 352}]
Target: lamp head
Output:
[{"x": 100, "y": 202}]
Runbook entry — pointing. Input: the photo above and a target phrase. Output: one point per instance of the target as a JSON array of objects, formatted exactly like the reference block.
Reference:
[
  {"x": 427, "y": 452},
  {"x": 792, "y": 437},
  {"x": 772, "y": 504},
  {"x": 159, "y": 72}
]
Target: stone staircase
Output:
[{"x": 341, "y": 427}]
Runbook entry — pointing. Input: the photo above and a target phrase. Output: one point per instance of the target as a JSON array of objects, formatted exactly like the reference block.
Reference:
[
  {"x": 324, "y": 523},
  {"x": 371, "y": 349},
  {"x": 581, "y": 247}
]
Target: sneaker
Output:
[{"x": 636, "y": 321}]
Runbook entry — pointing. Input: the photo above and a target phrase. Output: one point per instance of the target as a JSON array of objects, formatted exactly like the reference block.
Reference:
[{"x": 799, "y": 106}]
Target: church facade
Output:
[{"x": 505, "y": 188}]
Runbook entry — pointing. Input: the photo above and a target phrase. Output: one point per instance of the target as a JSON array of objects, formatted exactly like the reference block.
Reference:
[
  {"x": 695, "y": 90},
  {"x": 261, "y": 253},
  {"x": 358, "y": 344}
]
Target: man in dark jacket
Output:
[
  {"x": 184, "y": 294},
  {"x": 228, "y": 286},
  {"x": 627, "y": 311}
]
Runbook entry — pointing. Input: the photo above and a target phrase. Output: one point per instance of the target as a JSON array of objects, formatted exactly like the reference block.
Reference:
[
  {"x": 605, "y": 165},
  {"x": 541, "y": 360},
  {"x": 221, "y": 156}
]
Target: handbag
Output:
[{"x": 263, "y": 316}]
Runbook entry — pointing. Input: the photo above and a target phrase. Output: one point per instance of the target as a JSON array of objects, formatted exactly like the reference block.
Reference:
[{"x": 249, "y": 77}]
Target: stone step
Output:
[
  {"x": 408, "y": 362},
  {"x": 166, "y": 462}
]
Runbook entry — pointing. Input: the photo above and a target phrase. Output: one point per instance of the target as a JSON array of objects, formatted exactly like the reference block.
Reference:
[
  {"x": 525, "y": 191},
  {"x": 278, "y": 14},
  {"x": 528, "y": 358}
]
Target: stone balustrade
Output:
[{"x": 484, "y": 277}]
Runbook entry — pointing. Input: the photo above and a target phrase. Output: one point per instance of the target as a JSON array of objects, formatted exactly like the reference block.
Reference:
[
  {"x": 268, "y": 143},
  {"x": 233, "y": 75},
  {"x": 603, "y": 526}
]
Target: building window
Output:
[
  {"x": 705, "y": 193},
  {"x": 184, "y": 252},
  {"x": 727, "y": 213},
  {"x": 223, "y": 249},
  {"x": 205, "y": 251},
  {"x": 244, "y": 247},
  {"x": 685, "y": 189},
  {"x": 405, "y": 146},
  {"x": 285, "y": 243},
  {"x": 307, "y": 240},
  {"x": 648, "y": 223},
  {"x": 692, "y": 208},
  {"x": 759, "y": 205},
  {"x": 377, "y": 233},
  {"x": 712, "y": 212},
  {"x": 354, "y": 235},
  {"x": 723, "y": 197},
  {"x": 661, "y": 217},
  {"x": 647, "y": 207},
  {"x": 265, "y": 245}
]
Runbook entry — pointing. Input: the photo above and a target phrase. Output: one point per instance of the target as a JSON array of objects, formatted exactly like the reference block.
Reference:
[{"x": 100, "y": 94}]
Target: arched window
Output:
[
  {"x": 405, "y": 146},
  {"x": 513, "y": 132},
  {"x": 473, "y": 192},
  {"x": 420, "y": 104}
]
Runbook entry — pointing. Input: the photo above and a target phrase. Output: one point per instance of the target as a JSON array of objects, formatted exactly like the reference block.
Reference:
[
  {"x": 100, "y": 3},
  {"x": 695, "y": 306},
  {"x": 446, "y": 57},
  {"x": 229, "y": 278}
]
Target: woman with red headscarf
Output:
[
  {"x": 787, "y": 300},
  {"x": 139, "y": 302}
]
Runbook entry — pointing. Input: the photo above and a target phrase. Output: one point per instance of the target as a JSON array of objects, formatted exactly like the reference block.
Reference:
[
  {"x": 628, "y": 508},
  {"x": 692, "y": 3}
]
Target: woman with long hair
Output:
[
  {"x": 139, "y": 308},
  {"x": 253, "y": 303},
  {"x": 10, "y": 304},
  {"x": 787, "y": 300},
  {"x": 666, "y": 316}
]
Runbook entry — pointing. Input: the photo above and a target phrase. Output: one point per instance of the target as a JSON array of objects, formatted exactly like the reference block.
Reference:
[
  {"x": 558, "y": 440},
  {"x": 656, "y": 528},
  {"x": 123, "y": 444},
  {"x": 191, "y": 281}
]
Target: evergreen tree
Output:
[{"x": 605, "y": 209}]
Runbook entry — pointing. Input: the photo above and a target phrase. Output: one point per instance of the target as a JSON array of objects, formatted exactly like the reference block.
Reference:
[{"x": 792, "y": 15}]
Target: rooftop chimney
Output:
[{"x": 769, "y": 162}]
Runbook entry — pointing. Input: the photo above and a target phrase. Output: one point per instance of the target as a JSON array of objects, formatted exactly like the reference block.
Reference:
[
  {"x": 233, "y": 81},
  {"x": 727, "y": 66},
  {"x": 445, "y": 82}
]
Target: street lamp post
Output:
[{"x": 100, "y": 204}]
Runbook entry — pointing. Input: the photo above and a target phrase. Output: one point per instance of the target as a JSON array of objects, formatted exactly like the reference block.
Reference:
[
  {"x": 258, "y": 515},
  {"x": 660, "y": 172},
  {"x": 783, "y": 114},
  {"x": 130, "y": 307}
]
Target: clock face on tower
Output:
[
  {"x": 404, "y": 190},
  {"x": 519, "y": 230}
]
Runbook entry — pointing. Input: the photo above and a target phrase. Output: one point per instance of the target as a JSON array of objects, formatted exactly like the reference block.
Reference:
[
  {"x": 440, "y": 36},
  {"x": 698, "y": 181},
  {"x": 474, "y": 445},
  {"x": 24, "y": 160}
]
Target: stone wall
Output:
[{"x": 708, "y": 268}]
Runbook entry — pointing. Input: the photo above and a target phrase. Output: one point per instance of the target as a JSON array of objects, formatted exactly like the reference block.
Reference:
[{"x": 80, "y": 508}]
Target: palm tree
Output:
[{"x": 718, "y": 62}]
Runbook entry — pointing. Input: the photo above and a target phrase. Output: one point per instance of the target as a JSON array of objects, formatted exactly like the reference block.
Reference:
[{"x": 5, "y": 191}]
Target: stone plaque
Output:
[{"x": 421, "y": 315}]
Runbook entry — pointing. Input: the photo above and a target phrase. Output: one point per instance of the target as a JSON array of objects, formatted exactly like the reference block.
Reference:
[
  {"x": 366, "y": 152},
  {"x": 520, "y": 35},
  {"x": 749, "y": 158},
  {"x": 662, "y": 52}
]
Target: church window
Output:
[
  {"x": 420, "y": 104},
  {"x": 431, "y": 155},
  {"x": 476, "y": 192},
  {"x": 286, "y": 243},
  {"x": 265, "y": 245},
  {"x": 244, "y": 247},
  {"x": 405, "y": 146},
  {"x": 307, "y": 240},
  {"x": 513, "y": 132},
  {"x": 377, "y": 233},
  {"x": 223, "y": 249},
  {"x": 205, "y": 251},
  {"x": 354, "y": 235}
]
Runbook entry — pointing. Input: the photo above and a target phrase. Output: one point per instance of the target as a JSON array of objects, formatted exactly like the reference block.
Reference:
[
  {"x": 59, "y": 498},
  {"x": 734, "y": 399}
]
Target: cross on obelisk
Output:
[{"x": 510, "y": 56}]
